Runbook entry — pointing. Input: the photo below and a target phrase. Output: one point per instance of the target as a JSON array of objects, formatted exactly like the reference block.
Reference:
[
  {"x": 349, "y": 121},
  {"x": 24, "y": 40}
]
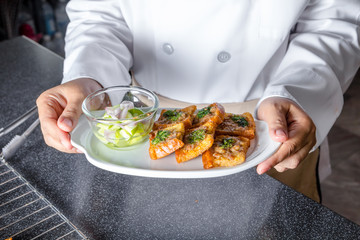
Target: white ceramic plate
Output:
[{"x": 137, "y": 161}]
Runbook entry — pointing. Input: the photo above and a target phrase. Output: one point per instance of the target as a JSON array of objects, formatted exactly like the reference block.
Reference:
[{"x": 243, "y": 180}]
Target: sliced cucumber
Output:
[{"x": 123, "y": 133}]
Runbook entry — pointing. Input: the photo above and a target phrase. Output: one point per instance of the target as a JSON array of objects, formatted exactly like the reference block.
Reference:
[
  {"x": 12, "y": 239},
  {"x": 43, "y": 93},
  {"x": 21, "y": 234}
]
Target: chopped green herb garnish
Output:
[
  {"x": 241, "y": 121},
  {"x": 203, "y": 112},
  {"x": 173, "y": 115},
  {"x": 227, "y": 143},
  {"x": 196, "y": 136},
  {"x": 160, "y": 136}
]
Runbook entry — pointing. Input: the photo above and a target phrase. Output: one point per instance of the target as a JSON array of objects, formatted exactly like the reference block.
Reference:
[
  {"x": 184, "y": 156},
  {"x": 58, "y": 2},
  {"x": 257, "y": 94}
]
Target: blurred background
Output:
[
  {"x": 45, "y": 21},
  {"x": 341, "y": 190}
]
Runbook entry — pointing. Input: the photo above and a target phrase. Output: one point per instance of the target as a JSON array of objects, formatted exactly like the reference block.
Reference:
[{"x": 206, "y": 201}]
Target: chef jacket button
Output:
[
  {"x": 167, "y": 48},
  {"x": 223, "y": 56}
]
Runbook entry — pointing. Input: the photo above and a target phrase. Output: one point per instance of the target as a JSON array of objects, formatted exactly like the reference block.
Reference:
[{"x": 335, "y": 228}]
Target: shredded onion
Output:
[
  {"x": 114, "y": 112},
  {"x": 109, "y": 135}
]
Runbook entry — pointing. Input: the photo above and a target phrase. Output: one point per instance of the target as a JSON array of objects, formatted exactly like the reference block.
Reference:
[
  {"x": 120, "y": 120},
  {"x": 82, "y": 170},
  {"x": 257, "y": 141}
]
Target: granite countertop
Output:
[{"x": 106, "y": 205}]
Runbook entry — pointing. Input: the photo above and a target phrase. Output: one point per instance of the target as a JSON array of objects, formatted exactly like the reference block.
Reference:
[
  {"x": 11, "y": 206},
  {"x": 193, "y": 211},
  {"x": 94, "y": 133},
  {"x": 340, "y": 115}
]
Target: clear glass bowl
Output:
[{"x": 121, "y": 116}]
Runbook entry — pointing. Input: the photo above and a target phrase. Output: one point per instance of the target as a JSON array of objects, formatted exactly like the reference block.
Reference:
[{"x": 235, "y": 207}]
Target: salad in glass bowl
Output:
[{"x": 121, "y": 116}]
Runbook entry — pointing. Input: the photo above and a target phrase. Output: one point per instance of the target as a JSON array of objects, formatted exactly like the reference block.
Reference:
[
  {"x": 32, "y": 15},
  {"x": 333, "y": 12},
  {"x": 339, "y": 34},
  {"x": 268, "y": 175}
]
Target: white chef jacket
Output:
[{"x": 203, "y": 51}]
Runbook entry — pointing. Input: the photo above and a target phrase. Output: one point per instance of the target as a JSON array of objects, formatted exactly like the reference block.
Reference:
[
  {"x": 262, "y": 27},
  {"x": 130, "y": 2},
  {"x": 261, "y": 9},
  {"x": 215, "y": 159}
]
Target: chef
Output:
[{"x": 290, "y": 61}]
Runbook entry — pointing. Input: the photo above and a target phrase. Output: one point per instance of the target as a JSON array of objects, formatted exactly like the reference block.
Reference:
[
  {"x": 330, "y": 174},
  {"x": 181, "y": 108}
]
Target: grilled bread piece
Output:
[
  {"x": 227, "y": 151},
  {"x": 166, "y": 141},
  {"x": 197, "y": 140},
  {"x": 171, "y": 117},
  {"x": 237, "y": 125},
  {"x": 214, "y": 112}
]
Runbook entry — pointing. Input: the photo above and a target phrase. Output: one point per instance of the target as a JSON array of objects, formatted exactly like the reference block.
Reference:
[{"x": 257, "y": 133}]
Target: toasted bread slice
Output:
[
  {"x": 171, "y": 117},
  {"x": 227, "y": 151},
  {"x": 196, "y": 141},
  {"x": 166, "y": 141},
  {"x": 214, "y": 112},
  {"x": 237, "y": 125}
]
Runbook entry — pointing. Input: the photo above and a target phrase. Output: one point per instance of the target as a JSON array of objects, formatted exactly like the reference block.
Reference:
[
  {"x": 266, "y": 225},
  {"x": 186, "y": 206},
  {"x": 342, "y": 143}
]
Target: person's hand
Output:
[
  {"x": 59, "y": 111},
  {"x": 288, "y": 124}
]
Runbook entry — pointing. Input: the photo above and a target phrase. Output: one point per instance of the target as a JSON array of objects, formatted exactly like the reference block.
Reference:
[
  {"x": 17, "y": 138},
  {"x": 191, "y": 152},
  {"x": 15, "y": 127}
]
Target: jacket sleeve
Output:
[
  {"x": 98, "y": 43},
  {"x": 322, "y": 58}
]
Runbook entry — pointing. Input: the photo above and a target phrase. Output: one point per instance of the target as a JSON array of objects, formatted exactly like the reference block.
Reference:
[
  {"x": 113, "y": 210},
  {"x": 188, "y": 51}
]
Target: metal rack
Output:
[{"x": 27, "y": 214}]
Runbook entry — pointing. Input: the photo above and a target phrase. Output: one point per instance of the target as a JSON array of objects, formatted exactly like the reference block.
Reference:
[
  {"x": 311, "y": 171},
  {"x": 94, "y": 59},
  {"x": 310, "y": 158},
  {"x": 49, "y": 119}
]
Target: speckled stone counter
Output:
[{"x": 106, "y": 205}]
